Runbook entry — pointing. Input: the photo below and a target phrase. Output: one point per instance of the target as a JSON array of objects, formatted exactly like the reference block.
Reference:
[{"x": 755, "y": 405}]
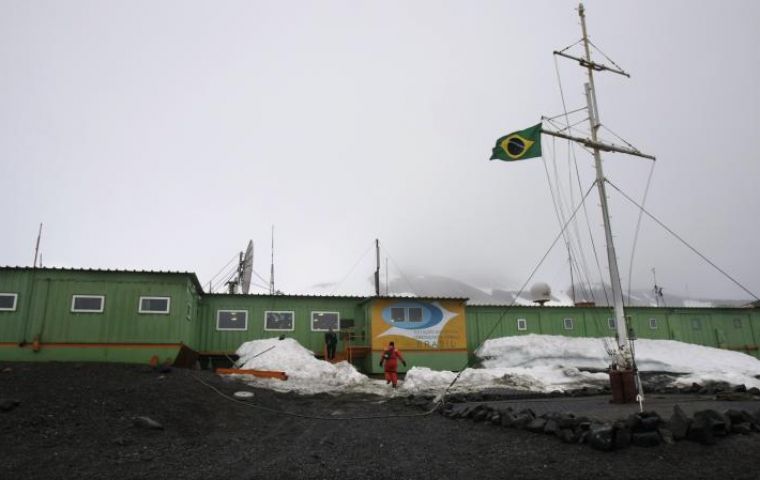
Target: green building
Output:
[{"x": 61, "y": 314}]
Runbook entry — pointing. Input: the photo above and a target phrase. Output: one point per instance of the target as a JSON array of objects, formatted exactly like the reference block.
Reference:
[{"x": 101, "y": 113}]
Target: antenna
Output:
[
  {"x": 246, "y": 269},
  {"x": 242, "y": 280},
  {"x": 37, "y": 248},
  {"x": 271, "y": 271}
]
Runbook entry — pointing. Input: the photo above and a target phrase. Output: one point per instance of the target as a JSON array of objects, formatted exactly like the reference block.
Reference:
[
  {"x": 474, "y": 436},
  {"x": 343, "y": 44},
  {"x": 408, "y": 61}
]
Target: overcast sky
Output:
[{"x": 164, "y": 135}]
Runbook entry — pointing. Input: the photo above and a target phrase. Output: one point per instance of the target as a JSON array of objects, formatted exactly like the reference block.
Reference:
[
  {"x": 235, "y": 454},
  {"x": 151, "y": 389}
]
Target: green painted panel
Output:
[
  {"x": 90, "y": 354},
  {"x": 213, "y": 340}
]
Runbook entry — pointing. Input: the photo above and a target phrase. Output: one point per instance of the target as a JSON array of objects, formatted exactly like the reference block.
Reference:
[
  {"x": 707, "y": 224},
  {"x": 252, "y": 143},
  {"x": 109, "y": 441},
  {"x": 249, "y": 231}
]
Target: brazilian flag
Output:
[{"x": 519, "y": 145}]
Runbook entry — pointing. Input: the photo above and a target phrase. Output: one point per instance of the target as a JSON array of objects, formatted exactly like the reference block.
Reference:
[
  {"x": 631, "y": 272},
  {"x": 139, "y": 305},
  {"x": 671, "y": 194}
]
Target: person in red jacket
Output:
[{"x": 390, "y": 359}]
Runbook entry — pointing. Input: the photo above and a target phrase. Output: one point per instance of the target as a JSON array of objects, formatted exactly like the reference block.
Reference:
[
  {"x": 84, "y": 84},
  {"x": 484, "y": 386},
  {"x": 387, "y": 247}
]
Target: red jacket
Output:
[{"x": 390, "y": 359}]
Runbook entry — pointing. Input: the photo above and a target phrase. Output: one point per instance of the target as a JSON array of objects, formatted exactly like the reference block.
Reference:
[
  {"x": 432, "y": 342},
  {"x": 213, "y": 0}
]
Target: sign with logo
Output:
[{"x": 418, "y": 325}]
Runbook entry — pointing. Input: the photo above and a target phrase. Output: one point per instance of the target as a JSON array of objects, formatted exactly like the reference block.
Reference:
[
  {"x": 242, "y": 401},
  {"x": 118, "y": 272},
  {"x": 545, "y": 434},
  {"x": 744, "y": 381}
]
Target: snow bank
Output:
[
  {"x": 537, "y": 363},
  {"x": 306, "y": 373},
  {"x": 700, "y": 363}
]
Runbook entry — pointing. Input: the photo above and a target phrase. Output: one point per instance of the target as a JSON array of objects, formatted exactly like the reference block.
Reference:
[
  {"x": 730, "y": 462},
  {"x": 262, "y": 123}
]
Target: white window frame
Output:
[
  {"x": 565, "y": 323},
  {"x": 522, "y": 324},
  {"x": 15, "y": 302},
  {"x": 653, "y": 323},
  {"x": 293, "y": 325},
  {"x": 79, "y": 310},
  {"x": 611, "y": 323},
  {"x": 155, "y": 312},
  {"x": 322, "y": 329},
  {"x": 230, "y": 310}
]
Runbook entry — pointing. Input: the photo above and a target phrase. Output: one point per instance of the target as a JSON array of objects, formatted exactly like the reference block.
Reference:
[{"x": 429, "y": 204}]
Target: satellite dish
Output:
[
  {"x": 541, "y": 292},
  {"x": 246, "y": 268}
]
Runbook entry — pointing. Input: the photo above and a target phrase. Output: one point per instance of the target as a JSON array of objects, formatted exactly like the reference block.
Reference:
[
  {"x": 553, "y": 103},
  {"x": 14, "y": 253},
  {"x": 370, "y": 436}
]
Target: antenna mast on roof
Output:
[
  {"x": 37, "y": 248},
  {"x": 271, "y": 271}
]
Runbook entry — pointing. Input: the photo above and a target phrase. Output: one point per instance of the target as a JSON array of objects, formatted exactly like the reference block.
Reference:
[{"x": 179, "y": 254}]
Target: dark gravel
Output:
[{"x": 80, "y": 421}]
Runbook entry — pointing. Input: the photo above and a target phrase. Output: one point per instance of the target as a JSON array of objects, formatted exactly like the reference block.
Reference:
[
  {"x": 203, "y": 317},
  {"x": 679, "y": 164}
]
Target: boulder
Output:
[
  {"x": 622, "y": 435},
  {"x": 601, "y": 437},
  {"x": 536, "y": 425},
  {"x": 666, "y": 436},
  {"x": 551, "y": 427},
  {"x": 701, "y": 430},
  {"x": 679, "y": 423}
]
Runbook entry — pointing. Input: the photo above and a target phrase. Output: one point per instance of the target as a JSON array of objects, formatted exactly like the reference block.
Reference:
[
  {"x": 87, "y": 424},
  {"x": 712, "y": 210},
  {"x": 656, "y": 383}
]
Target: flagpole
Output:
[{"x": 624, "y": 357}]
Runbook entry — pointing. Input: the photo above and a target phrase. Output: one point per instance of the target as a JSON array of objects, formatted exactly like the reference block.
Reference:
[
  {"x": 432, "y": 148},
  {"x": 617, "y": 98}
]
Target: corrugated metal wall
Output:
[
  {"x": 44, "y": 307},
  {"x": 733, "y": 328},
  {"x": 216, "y": 341}
]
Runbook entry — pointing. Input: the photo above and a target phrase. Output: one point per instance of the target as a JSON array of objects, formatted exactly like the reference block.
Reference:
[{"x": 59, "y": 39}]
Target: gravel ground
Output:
[{"x": 77, "y": 421}]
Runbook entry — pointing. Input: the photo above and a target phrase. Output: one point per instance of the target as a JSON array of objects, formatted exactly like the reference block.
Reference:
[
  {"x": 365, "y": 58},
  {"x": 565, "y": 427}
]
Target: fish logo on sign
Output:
[{"x": 419, "y": 321}]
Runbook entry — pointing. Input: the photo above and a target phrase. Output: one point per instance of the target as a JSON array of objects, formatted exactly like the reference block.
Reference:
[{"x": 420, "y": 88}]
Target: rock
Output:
[
  {"x": 721, "y": 423},
  {"x": 6, "y": 405},
  {"x": 743, "y": 428},
  {"x": 551, "y": 427},
  {"x": 569, "y": 436},
  {"x": 701, "y": 430},
  {"x": 507, "y": 419},
  {"x": 522, "y": 420},
  {"x": 621, "y": 436},
  {"x": 147, "y": 422},
  {"x": 754, "y": 391},
  {"x": 679, "y": 423},
  {"x": 529, "y": 412},
  {"x": 601, "y": 438},
  {"x": 645, "y": 439},
  {"x": 495, "y": 418},
  {"x": 567, "y": 421},
  {"x": 740, "y": 388},
  {"x": 650, "y": 421},
  {"x": 536, "y": 425},
  {"x": 7, "y": 370},
  {"x": 666, "y": 436}
]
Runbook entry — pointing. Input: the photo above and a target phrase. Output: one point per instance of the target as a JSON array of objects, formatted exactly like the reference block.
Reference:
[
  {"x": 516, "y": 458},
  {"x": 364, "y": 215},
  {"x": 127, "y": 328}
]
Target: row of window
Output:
[
  {"x": 276, "y": 321},
  {"x": 569, "y": 324},
  {"x": 95, "y": 303}
]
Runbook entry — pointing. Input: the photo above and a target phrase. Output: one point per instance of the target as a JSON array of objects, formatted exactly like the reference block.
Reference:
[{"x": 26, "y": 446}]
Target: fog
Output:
[{"x": 164, "y": 135}]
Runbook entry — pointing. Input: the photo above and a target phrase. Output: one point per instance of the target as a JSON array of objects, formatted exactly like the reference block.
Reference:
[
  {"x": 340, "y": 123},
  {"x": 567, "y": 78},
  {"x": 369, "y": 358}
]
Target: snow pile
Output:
[
  {"x": 546, "y": 355},
  {"x": 537, "y": 363},
  {"x": 306, "y": 373}
]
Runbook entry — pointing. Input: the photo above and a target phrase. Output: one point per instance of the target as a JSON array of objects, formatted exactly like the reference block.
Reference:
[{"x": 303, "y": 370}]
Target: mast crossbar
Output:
[
  {"x": 598, "y": 145},
  {"x": 593, "y": 65}
]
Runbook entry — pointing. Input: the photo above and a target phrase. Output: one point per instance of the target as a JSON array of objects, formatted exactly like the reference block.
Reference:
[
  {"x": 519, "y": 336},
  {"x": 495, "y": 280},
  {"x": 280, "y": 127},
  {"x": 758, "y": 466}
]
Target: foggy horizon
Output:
[{"x": 165, "y": 136}]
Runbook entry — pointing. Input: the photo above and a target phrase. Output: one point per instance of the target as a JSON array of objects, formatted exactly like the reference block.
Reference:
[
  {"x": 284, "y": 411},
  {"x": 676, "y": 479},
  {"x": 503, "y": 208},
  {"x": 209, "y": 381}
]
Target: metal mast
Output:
[{"x": 624, "y": 352}]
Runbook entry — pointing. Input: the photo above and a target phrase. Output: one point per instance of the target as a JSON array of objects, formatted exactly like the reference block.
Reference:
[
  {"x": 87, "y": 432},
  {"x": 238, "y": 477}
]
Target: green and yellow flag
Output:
[{"x": 519, "y": 145}]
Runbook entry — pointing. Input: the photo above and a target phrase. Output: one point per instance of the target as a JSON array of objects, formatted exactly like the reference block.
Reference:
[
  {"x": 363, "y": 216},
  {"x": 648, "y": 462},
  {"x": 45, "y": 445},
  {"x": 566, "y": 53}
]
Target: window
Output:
[
  {"x": 232, "y": 320},
  {"x": 154, "y": 304},
  {"x": 522, "y": 324},
  {"x": 737, "y": 323},
  {"x": 653, "y": 323},
  {"x": 279, "y": 321},
  {"x": 568, "y": 324},
  {"x": 696, "y": 324},
  {"x": 611, "y": 323},
  {"x": 8, "y": 302},
  {"x": 323, "y": 321},
  {"x": 406, "y": 314},
  {"x": 87, "y": 303}
]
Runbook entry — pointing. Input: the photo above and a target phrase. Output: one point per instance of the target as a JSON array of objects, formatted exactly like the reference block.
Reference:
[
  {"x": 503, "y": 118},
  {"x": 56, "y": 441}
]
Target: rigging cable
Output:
[
  {"x": 636, "y": 235},
  {"x": 401, "y": 272},
  {"x": 522, "y": 288},
  {"x": 585, "y": 210},
  {"x": 736, "y": 282},
  {"x": 337, "y": 285}
]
